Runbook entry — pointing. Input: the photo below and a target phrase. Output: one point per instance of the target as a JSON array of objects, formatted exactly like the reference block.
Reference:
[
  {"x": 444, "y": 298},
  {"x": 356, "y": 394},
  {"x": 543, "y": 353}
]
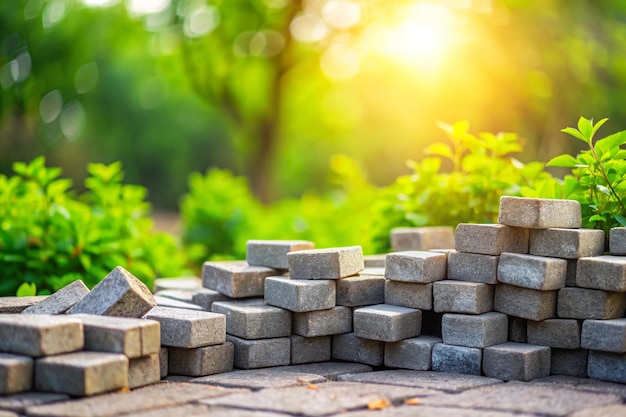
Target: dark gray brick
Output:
[
  {"x": 531, "y": 271},
  {"x": 583, "y": 303},
  {"x": 202, "y": 361},
  {"x": 607, "y": 366},
  {"x": 387, "y": 323},
  {"x": 236, "y": 279},
  {"x": 475, "y": 331},
  {"x": 457, "y": 359},
  {"x": 360, "y": 290},
  {"x": 310, "y": 349},
  {"x": 516, "y": 361},
  {"x": 253, "y": 319},
  {"x": 571, "y": 362},
  {"x": 473, "y": 267},
  {"x": 605, "y": 335},
  {"x": 300, "y": 295},
  {"x": 189, "y": 328},
  {"x": 336, "y": 320},
  {"x": 524, "y": 302},
  {"x": 409, "y": 294},
  {"x": 414, "y": 353},
  {"x": 462, "y": 297},
  {"x": 348, "y": 347},
  {"x": 273, "y": 253},
  {"x": 556, "y": 333},
  {"x": 567, "y": 243},
  {"x": 260, "y": 353}
]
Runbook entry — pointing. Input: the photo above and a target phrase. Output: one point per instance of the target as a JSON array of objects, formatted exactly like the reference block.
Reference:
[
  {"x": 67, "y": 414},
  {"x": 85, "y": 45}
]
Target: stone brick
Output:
[
  {"x": 19, "y": 402},
  {"x": 607, "y": 366},
  {"x": 202, "y": 361},
  {"x": 143, "y": 371},
  {"x": 539, "y": 213},
  {"x": 490, "y": 239},
  {"x": 273, "y": 253},
  {"x": 205, "y": 298},
  {"x": 516, "y": 361},
  {"x": 261, "y": 379},
  {"x": 172, "y": 303},
  {"x": 178, "y": 283},
  {"x": 235, "y": 279},
  {"x": 40, "y": 335},
  {"x": 372, "y": 271},
  {"x": 82, "y": 373},
  {"x": 253, "y": 319},
  {"x": 606, "y": 273},
  {"x": 617, "y": 241},
  {"x": 530, "y": 271},
  {"x": 336, "y": 320},
  {"x": 477, "y": 331},
  {"x": 16, "y": 373},
  {"x": 60, "y": 301},
  {"x": 185, "y": 296},
  {"x": 409, "y": 294},
  {"x": 555, "y": 333},
  {"x": 518, "y": 329},
  {"x": 360, "y": 290},
  {"x": 414, "y": 353},
  {"x": 416, "y": 266},
  {"x": 300, "y": 295},
  {"x": 421, "y": 238},
  {"x": 569, "y": 362},
  {"x": 188, "y": 328},
  {"x": 605, "y": 335},
  {"x": 462, "y": 297},
  {"x": 163, "y": 361},
  {"x": 583, "y": 303},
  {"x": 567, "y": 243},
  {"x": 15, "y": 305},
  {"x": 332, "y": 263},
  {"x": 260, "y": 353},
  {"x": 331, "y": 371},
  {"x": 350, "y": 348},
  {"x": 525, "y": 302},
  {"x": 473, "y": 267},
  {"x": 374, "y": 261},
  {"x": 309, "y": 349},
  {"x": 456, "y": 359},
  {"x": 387, "y": 323}
]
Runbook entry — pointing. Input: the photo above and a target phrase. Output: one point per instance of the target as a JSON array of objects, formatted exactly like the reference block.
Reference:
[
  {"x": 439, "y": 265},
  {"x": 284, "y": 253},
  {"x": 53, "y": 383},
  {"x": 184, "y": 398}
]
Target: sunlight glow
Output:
[{"x": 141, "y": 7}]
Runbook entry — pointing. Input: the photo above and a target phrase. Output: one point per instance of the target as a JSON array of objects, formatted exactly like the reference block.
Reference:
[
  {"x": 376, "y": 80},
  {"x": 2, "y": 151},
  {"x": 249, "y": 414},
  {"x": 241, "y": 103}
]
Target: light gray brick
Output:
[
  {"x": 178, "y": 283},
  {"x": 409, "y": 294},
  {"x": 350, "y": 348},
  {"x": 414, "y": 353},
  {"x": 555, "y": 333},
  {"x": 205, "y": 298},
  {"x": 571, "y": 362},
  {"x": 583, "y": 303},
  {"x": 374, "y": 261},
  {"x": 236, "y": 279},
  {"x": 617, "y": 241},
  {"x": 490, "y": 239},
  {"x": 60, "y": 301},
  {"x": 605, "y": 335},
  {"x": 606, "y": 273},
  {"x": 462, "y": 297},
  {"x": 387, "y": 323},
  {"x": 422, "y": 238},
  {"x": 607, "y": 366},
  {"x": 260, "y": 353},
  {"x": 530, "y": 271},
  {"x": 253, "y": 319},
  {"x": 273, "y": 253},
  {"x": 567, "y": 243},
  {"x": 360, "y": 290},
  {"x": 518, "y": 329},
  {"x": 188, "y": 328},
  {"x": 202, "y": 361},
  {"x": 516, "y": 361},
  {"x": 456, "y": 359},
  {"x": 525, "y": 302},
  {"x": 310, "y": 349},
  {"x": 172, "y": 303},
  {"x": 539, "y": 213},
  {"x": 40, "y": 335},
  {"x": 332, "y": 263},
  {"x": 336, "y": 320},
  {"x": 300, "y": 295},
  {"x": 477, "y": 331},
  {"x": 143, "y": 371},
  {"x": 16, "y": 373},
  {"x": 473, "y": 267},
  {"x": 15, "y": 305},
  {"x": 416, "y": 266},
  {"x": 372, "y": 271},
  {"x": 184, "y": 296},
  {"x": 163, "y": 361}
]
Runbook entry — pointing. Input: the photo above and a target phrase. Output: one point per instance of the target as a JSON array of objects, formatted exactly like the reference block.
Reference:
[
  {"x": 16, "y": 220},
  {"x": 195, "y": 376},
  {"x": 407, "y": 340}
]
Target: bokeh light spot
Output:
[
  {"x": 201, "y": 21},
  {"x": 340, "y": 62},
  {"x": 73, "y": 120},
  {"x": 53, "y": 14},
  {"x": 86, "y": 78},
  {"x": 153, "y": 92},
  {"x": 341, "y": 13},
  {"x": 20, "y": 67},
  {"x": 308, "y": 28},
  {"x": 50, "y": 106},
  {"x": 142, "y": 7}
]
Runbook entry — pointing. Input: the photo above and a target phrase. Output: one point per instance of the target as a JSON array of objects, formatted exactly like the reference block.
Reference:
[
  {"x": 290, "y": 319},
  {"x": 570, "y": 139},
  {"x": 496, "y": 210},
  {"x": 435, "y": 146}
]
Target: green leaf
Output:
[
  {"x": 585, "y": 127},
  {"x": 27, "y": 289},
  {"x": 620, "y": 219},
  {"x": 611, "y": 141},
  {"x": 597, "y": 126},
  {"x": 440, "y": 149},
  {"x": 576, "y": 134},
  {"x": 565, "y": 161},
  {"x": 596, "y": 218}
]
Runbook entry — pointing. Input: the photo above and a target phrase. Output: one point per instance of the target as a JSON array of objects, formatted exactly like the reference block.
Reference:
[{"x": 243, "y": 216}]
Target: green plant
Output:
[{"x": 49, "y": 237}]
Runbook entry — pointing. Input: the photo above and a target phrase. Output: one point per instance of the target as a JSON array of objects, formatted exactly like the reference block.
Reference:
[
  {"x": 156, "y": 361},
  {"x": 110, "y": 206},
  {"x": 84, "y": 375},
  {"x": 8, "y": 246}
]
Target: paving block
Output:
[
  {"x": 583, "y": 303},
  {"x": 60, "y": 301},
  {"x": 617, "y": 241},
  {"x": 351, "y": 348},
  {"x": 177, "y": 283},
  {"x": 387, "y": 323},
  {"x": 360, "y": 290},
  {"x": 332, "y": 263},
  {"x": 462, "y": 297},
  {"x": 144, "y": 370},
  {"x": 422, "y": 238},
  {"x": 205, "y": 298},
  {"x": 456, "y": 359},
  {"x": 331, "y": 371},
  {"x": 409, "y": 294},
  {"x": 336, "y": 320},
  {"x": 567, "y": 243},
  {"x": 120, "y": 294},
  {"x": 235, "y": 279},
  {"x": 163, "y": 361},
  {"x": 273, "y": 253},
  {"x": 14, "y": 305},
  {"x": 189, "y": 328},
  {"x": 184, "y": 296},
  {"x": 172, "y": 303},
  {"x": 309, "y": 349},
  {"x": 607, "y": 366},
  {"x": 473, "y": 267},
  {"x": 571, "y": 362},
  {"x": 372, "y": 271},
  {"x": 16, "y": 373},
  {"x": 260, "y": 353},
  {"x": 490, "y": 239},
  {"x": 555, "y": 333},
  {"x": 261, "y": 379},
  {"x": 82, "y": 373},
  {"x": 477, "y": 331},
  {"x": 202, "y": 361},
  {"x": 539, "y": 213},
  {"x": 253, "y": 319},
  {"x": 524, "y": 302},
  {"x": 132, "y": 337},
  {"x": 531, "y": 271},
  {"x": 414, "y": 353},
  {"x": 416, "y": 266},
  {"x": 374, "y": 261},
  {"x": 300, "y": 295},
  {"x": 604, "y": 335},
  {"x": 606, "y": 273},
  {"x": 516, "y": 361},
  {"x": 518, "y": 329},
  {"x": 40, "y": 335}
]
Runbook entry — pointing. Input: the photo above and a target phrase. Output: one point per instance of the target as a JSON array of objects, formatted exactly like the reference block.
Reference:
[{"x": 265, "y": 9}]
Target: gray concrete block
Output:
[
  {"x": 416, "y": 266},
  {"x": 409, "y": 294},
  {"x": 205, "y": 298},
  {"x": 539, "y": 213},
  {"x": 350, "y": 348},
  {"x": 604, "y": 335},
  {"x": 525, "y": 302},
  {"x": 177, "y": 283},
  {"x": 387, "y": 323},
  {"x": 457, "y": 359},
  {"x": 184, "y": 296},
  {"x": 606, "y": 273},
  {"x": 336, "y": 320},
  {"x": 260, "y": 353},
  {"x": 18, "y": 403},
  {"x": 490, "y": 239},
  {"x": 360, "y": 290},
  {"x": 555, "y": 333},
  {"x": 374, "y": 261},
  {"x": 273, "y": 253},
  {"x": 202, "y": 361},
  {"x": 583, "y": 303},
  {"x": 518, "y": 329},
  {"x": 15, "y": 305},
  {"x": 567, "y": 243},
  {"x": 530, "y": 271},
  {"x": 300, "y": 295},
  {"x": 143, "y": 371},
  {"x": 236, "y": 279},
  {"x": 422, "y": 238},
  {"x": 82, "y": 373},
  {"x": 414, "y": 353},
  {"x": 60, "y": 301},
  {"x": 253, "y": 319},
  {"x": 16, "y": 373},
  {"x": 163, "y": 361},
  {"x": 571, "y": 362},
  {"x": 477, "y": 331},
  {"x": 516, "y": 361},
  {"x": 462, "y": 297},
  {"x": 332, "y": 263},
  {"x": 172, "y": 303},
  {"x": 40, "y": 335},
  {"x": 617, "y": 241},
  {"x": 310, "y": 349},
  {"x": 607, "y": 366},
  {"x": 473, "y": 267},
  {"x": 188, "y": 328}
]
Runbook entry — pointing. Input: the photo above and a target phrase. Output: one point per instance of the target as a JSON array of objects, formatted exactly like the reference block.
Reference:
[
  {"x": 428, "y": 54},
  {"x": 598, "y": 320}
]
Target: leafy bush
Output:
[{"x": 49, "y": 237}]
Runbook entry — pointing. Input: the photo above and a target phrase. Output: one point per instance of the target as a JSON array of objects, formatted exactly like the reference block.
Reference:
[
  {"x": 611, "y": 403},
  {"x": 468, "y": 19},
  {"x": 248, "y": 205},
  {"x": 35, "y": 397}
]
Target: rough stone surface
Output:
[
  {"x": 555, "y": 333},
  {"x": 409, "y": 294},
  {"x": 18, "y": 402},
  {"x": 567, "y": 243},
  {"x": 15, "y": 305},
  {"x": 253, "y": 319},
  {"x": 60, "y": 301},
  {"x": 144, "y": 370},
  {"x": 606, "y": 273},
  {"x": 273, "y": 253},
  {"x": 490, "y": 239},
  {"x": 236, "y": 279},
  {"x": 348, "y": 347},
  {"x": 614, "y": 410},
  {"x": 518, "y": 329},
  {"x": 583, "y": 303},
  {"x": 569, "y": 362},
  {"x": 201, "y": 361},
  {"x": 462, "y": 297},
  {"x": 336, "y": 320},
  {"x": 40, "y": 335},
  {"x": 163, "y": 361},
  {"x": 184, "y": 296},
  {"x": 332, "y": 263},
  {"x": 416, "y": 266},
  {"x": 473, "y": 267},
  {"x": 617, "y": 241},
  {"x": 539, "y": 213},
  {"x": 410, "y": 410},
  {"x": 178, "y": 283},
  {"x": 256, "y": 379},
  {"x": 16, "y": 373},
  {"x": 530, "y": 271},
  {"x": 329, "y": 370},
  {"x": 310, "y": 349},
  {"x": 476, "y": 331},
  {"x": 605, "y": 335},
  {"x": 360, "y": 290},
  {"x": 173, "y": 303},
  {"x": 525, "y": 302},
  {"x": 422, "y": 238},
  {"x": 300, "y": 295},
  {"x": 607, "y": 366},
  {"x": 188, "y": 328},
  {"x": 582, "y": 384},
  {"x": 387, "y": 323},
  {"x": 261, "y": 353},
  {"x": 457, "y": 359},
  {"x": 414, "y": 353},
  {"x": 374, "y": 261},
  {"x": 205, "y": 298},
  {"x": 516, "y": 361}
]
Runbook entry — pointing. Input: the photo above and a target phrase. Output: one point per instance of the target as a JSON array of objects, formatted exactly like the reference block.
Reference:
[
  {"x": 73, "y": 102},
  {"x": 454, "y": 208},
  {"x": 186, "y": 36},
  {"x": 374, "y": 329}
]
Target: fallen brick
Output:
[{"x": 60, "y": 301}]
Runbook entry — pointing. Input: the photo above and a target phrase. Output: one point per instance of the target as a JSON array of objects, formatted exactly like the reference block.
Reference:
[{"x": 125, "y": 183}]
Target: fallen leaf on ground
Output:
[
  {"x": 412, "y": 401},
  {"x": 379, "y": 404}
]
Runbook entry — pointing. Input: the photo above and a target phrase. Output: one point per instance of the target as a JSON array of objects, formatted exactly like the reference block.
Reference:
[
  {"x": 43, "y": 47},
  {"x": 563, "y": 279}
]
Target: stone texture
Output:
[
  {"x": 409, "y": 294},
  {"x": 202, "y": 361},
  {"x": 329, "y": 370},
  {"x": 614, "y": 410},
  {"x": 606, "y": 273},
  {"x": 332, "y": 263},
  {"x": 617, "y": 241},
  {"x": 257, "y": 379},
  {"x": 567, "y": 243},
  {"x": 300, "y": 295},
  {"x": 177, "y": 283},
  {"x": 360, "y": 290},
  {"x": 309, "y": 349},
  {"x": 490, "y": 239},
  {"x": 19, "y": 402},
  {"x": 261, "y": 353},
  {"x": 518, "y": 329},
  {"x": 60, "y": 301},
  {"x": 327, "y": 322},
  {"x": 604, "y": 335},
  {"x": 387, "y": 323},
  {"x": 15, "y": 305},
  {"x": 525, "y": 302},
  {"x": 414, "y": 353},
  {"x": 582, "y": 384},
  {"x": 163, "y": 361},
  {"x": 205, "y": 298},
  {"x": 172, "y": 303},
  {"x": 236, "y": 279},
  {"x": 457, "y": 359},
  {"x": 422, "y": 238},
  {"x": 253, "y": 319},
  {"x": 583, "y": 303},
  {"x": 473, "y": 267},
  {"x": 476, "y": 331},
  {"x": 607, "y": 366},
  {"x": 462, "y": 297},
  {"x": 516, "y": 361},
  {"x": 40, "y": 335},
  {"x": 16, "y": 373},
  {"x": 539, "y": 213},
  {"x": 569, "y": 362},
  {"x": 374, "y": 261},
  {"x": 410, "y": 410},
  {"x": 184, "y": 296},
  {"x": 555, "y": 333},
  {"x": 273, "y": 253},
  {"x": 416, "y": 266},
  {"x": 188, "y": 328},
  {"x": 348, "y": 347},
  {"x": 144, "y": 370},
  {"x": 530, "y": 271}
]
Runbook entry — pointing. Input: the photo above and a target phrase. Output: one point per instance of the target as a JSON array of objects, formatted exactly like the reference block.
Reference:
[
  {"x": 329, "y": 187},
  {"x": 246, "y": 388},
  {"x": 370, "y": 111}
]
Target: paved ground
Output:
[{"x": 337, "y": 389}]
